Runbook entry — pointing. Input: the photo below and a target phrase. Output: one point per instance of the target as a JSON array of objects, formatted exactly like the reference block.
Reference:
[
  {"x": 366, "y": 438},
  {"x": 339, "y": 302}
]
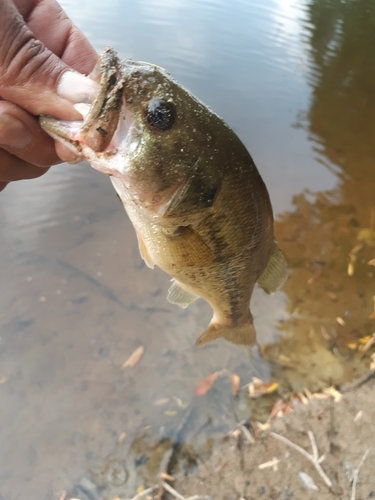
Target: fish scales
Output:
[{"x": 199, "y": 206}]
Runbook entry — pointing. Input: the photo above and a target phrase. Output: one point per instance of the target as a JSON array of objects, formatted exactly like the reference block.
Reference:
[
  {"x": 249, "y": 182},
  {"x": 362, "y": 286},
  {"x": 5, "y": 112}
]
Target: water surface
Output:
[{"x": 295, "y": 79}]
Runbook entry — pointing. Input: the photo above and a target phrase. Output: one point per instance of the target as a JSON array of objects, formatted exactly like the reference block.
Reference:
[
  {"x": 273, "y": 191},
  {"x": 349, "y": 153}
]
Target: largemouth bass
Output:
[{"x": 199, "y": 206}]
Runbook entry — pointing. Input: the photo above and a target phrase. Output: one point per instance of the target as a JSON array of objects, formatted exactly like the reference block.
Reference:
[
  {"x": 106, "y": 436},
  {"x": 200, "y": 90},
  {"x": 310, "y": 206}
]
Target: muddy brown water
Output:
[{"x": 296, "y": 81}]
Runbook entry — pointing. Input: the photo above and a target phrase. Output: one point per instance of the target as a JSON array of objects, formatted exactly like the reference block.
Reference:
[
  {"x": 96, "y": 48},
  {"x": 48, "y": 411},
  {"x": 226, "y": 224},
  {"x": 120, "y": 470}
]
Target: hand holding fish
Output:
[{"x": 38, "y": 45}]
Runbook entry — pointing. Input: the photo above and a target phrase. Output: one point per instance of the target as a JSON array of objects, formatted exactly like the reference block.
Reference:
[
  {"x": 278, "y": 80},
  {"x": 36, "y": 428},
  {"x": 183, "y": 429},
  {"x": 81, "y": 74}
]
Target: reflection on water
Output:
[
  {"x": 296, "y": 81},
  {"x": 328, "y": 238}
]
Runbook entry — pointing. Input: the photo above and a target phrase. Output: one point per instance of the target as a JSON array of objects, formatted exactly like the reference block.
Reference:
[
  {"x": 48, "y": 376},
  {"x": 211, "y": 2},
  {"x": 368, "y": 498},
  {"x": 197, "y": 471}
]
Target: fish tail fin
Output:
[
  {"x": 275, "y": 273},
  {"x": 242, "y": 334}
]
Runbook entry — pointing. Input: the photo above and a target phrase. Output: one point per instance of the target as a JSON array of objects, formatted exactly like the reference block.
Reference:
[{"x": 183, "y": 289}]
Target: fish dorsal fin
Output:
[
  {"x": 275, "y": 273},
  {"x": 144, "y": 252},
  {"x": 187, "y": 248},
  {"x": 177, "y": 295}
]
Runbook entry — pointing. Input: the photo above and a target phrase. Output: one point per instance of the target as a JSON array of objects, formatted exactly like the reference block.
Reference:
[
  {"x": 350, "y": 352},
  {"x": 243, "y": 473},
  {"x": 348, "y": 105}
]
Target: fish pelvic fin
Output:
[
  {"x": 144, "y": 252},
  {"x": 242, "y": 334},
  {"x": 179, "y": 296},
  {"x": 276, "y": 271}
]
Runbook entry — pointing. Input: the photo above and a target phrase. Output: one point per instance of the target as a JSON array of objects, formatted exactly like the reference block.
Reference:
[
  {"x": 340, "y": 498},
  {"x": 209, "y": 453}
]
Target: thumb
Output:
[{"x": 30, "y": 74}]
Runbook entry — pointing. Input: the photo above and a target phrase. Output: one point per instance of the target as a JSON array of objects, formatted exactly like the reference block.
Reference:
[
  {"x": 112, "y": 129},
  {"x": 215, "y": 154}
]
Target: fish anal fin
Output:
[
  {"x": 179, "y": 296},
  {"x": 275, "y": 273},
  {"x": 187, "y": 248},
  {"x": 243, "y": 334},
  {"x": 144, "y": 252}
]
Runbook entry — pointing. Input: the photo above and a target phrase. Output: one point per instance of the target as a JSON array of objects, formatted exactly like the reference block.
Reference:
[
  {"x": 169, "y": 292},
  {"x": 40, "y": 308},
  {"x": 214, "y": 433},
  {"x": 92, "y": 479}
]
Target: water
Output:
[{"x": 295, "y": 79}]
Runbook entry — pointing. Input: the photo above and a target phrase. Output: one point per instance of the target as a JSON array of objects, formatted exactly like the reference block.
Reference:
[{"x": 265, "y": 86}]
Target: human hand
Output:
[{"x": 38, "y": 45}]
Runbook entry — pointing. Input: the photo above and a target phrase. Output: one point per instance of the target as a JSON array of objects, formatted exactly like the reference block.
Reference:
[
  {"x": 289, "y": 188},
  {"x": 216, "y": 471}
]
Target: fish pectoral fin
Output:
[
  {"x": 177, "y": 295},
  {"x": 188, "y": 249},
  {"x": 275, "y": 273},
  {"x": 144, "y": 252},
  {"x": 243, "y": 334}
]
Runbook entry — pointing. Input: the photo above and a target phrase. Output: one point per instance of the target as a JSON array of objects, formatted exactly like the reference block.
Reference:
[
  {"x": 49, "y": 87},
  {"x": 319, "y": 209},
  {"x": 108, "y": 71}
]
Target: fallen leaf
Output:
[
  {"x": 170, "y": 413},
  {"x": 371, "y": 262},
  {"x": 167, "y": 477},
  {"x": 121, "y": 437},
  {"x": 277, "y": 407},
  {"x": 307, "y": 392},
  {"x": 180, "y": 403},
  {"x": 365, "y": 339},
  {"x": 358, "y": 416},
  {"x": 337, "y": 396},
  {"x": 134, "y": 358},
  {"x": 340, "y": 321},
  {"x": 259, "y": 388},
  {"x": 140, "y": 489},
  {"x": 205, "y": 384},
  {"x": 372, "y": 315},
  {"x": 350, "y": 269},
  {"x": 307, "y": 481},
  {"x": 332, "y": 296},
  {"x": 235, "y": 380},
  {"x": 263, "y": 427},
  {"x": 273, "y": 387},
  {"x": 352, "y": 345},
  {"x": 319, "y": 396},
  {"x": 369, "y": 343},
  {"x": 161, "y": 402},
  {"x": 284, "y": 359},
  {"x": 367, "y": 236},
  {"x": 302, "y": 398}
]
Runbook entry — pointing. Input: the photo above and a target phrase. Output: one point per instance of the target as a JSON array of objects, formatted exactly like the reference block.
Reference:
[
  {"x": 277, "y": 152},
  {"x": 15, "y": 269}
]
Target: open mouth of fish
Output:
[
  {"x": 107, "y": 132},
  {"x": 104, "y": 129}
]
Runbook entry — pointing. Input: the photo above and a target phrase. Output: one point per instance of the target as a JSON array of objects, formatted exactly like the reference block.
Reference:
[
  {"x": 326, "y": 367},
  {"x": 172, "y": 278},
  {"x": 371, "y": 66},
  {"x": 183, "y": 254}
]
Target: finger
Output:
[
  {"x": 52, "y": 26},
  {"x": 21, "y": 136},
  {"x": 13, "y": 168},
  {"x": 29, "y": 72}
]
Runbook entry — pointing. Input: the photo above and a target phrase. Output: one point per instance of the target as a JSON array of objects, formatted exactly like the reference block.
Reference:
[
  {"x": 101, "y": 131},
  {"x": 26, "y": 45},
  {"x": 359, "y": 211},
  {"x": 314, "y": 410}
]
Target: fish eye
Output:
[{"x": 160, "y": 114}]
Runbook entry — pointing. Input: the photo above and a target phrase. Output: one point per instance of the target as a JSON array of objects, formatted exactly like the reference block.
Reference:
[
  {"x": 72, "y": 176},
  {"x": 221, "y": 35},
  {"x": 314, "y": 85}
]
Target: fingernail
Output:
[
  {"x": 76, "y": 87},
  {"x": 66, "y": 154},
  {"x": 13, "y": 133}
]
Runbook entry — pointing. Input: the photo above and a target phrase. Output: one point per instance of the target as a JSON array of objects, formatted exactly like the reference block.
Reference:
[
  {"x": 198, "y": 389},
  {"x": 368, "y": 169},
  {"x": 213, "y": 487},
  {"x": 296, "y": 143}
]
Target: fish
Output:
[{"x": 199, "y": 206}]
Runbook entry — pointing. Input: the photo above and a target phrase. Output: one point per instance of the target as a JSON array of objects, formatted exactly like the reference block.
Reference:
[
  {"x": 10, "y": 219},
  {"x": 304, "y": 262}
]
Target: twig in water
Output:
[
  {"x": 144, "y": 493},
  {"x": 175, "y": 493},
  {"x": 311, "y": 458},
  {"x": 356, "y": 473},
  {"x": 314, "y": 446}
]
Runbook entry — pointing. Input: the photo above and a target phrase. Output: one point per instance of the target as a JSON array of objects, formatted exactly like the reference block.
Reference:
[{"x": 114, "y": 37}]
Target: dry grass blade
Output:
[
  {"x": 144, "y": 493},
  {"x": 177, "y": 495},
  {"x": 356, "y": 474}
]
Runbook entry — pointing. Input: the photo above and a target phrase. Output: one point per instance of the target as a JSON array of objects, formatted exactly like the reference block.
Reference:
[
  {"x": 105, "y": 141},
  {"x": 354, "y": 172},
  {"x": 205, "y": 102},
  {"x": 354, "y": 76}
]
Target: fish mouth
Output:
[
  {"x": 97, "y": 137},
  {"x": 100, "y": 118}
]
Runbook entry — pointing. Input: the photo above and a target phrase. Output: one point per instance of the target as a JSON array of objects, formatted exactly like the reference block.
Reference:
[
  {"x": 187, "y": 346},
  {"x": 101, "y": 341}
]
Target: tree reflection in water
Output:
[{"x": 330, "y": 235}]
